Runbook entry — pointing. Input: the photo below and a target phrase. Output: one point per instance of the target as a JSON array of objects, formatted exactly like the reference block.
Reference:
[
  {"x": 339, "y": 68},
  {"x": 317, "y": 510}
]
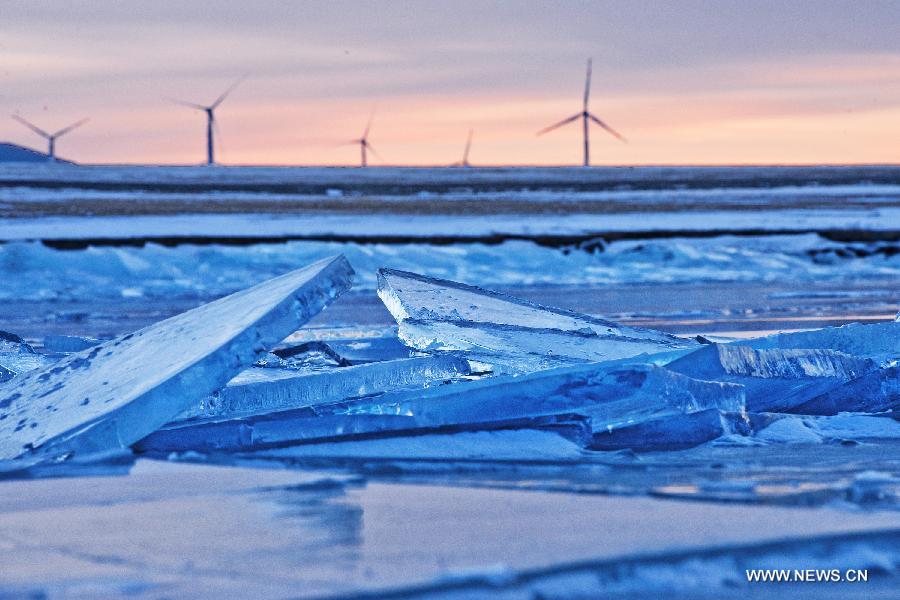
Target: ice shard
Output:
[
  {"x": 310, "y": 359},
  {"x": 606, "y": 397},
  {"x": 117, "y": 392},
  {"x": 17, "y": 356},
  {"x": 805, "y": 429},
  {"x": 874, "y": 392},
  {"x": 11, "y": 343},
  {"x": 260, "y": 391},
  {"x": 671, "y": 433},
  {"x": 775, "y": 380},
  {"x": 878, "y": 341},
  {"x": 353, "y": 351},
  {"x": 68, "y": 343},
  {"x": 511, "y": 334}
]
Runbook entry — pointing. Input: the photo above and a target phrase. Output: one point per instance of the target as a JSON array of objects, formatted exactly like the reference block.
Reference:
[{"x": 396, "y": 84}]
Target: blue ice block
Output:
[
  {"x": 259, "y": 391},
  {"x": 605, "y": 396},
  {"x": 512, "y": 335},
  {"x": 775, "y": 380},
  {"x": 115, "y": 393},
  {"x": 878, "y": 341}
]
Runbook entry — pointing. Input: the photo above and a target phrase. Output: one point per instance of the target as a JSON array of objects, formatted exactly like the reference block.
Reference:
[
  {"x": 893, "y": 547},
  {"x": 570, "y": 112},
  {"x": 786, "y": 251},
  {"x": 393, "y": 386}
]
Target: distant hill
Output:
[{"x": 21, "y": 154}]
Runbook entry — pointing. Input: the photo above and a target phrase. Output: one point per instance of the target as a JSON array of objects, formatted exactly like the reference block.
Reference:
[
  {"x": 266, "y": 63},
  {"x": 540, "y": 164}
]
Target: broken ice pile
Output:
[
  {"x": 600, "y": 402},
  {"x": 594, "y": 399},
  {"x": 215, "y": 379}
]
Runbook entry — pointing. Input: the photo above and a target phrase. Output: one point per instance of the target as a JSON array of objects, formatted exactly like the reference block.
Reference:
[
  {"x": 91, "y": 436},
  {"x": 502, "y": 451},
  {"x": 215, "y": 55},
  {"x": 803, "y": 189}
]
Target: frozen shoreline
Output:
[{"x": 362, "y": 227}]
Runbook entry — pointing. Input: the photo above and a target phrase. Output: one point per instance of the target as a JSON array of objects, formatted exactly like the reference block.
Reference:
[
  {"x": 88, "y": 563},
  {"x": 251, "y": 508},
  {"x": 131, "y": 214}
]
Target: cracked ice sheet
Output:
[
  {"x": 278, "y": 533},
  {"x": 109, "y": 396},
  {"x": 520, "y": 336}
]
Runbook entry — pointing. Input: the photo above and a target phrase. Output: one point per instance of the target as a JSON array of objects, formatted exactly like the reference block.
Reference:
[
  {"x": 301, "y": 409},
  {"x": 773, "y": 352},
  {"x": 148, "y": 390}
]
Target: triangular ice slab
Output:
[
  {"x": 501, "y": 330},
  {"x": 114, "y": 394}
]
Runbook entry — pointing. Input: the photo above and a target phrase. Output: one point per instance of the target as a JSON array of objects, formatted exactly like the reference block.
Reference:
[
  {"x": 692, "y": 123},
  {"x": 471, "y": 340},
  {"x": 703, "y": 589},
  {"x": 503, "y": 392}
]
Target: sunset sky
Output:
[{"x": 685, "y": 82}]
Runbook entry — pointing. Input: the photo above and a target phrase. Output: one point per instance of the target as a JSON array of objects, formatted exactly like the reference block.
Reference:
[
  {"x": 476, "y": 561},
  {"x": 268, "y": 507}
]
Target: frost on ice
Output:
[
  {"x": 113, "y": 394},
  {"x": 511, "y": 334}
]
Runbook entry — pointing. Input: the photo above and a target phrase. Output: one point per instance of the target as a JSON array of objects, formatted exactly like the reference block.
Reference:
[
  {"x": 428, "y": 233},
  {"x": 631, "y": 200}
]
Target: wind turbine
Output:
[
  {"x": 210, "y": 118},
  {"x": 364, "y": 144},
  {"x": 586, "y": 116},
  {"x": 50, "y": 137},
  {"x": 465, "y": 159}
]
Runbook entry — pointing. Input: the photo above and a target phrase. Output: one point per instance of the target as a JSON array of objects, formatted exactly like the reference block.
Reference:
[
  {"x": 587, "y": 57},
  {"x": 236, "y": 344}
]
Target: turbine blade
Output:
[
  {"x": 70, "y": 128},
  {"x": 587, "y": 86},
  {"x": 468, "y": 146},
  {"x": 372, "y": 150},
  {"x": 34, "y": 128},
  {"x": 188, "y": 104},
  {"x": 612, "y": 131},
  {"x": 558, "y": 125},
  {"x": 228, "y": 91},
  {"x": 365, "y": 134}
]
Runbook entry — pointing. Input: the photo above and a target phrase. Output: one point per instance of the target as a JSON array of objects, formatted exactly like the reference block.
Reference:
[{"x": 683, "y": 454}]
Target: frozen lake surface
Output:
[
  {"x": 513, "y": 513},
  {"x": 556, "y": 205}
]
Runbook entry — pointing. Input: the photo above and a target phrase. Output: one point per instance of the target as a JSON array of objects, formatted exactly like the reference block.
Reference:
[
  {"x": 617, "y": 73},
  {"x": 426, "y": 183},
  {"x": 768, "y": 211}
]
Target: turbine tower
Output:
[
  {"x": 211, "y": 123},
  {"x": 465, "y": 159},
  {"x": 586, "y": 116},
  {"x": 364, "y": 145},
  {"x": 50, "y": 137}
]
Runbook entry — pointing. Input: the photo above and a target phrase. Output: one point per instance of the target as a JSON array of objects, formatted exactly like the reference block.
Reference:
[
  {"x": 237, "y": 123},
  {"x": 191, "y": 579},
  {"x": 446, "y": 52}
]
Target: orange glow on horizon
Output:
[{"x": 806, "y": 112}]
